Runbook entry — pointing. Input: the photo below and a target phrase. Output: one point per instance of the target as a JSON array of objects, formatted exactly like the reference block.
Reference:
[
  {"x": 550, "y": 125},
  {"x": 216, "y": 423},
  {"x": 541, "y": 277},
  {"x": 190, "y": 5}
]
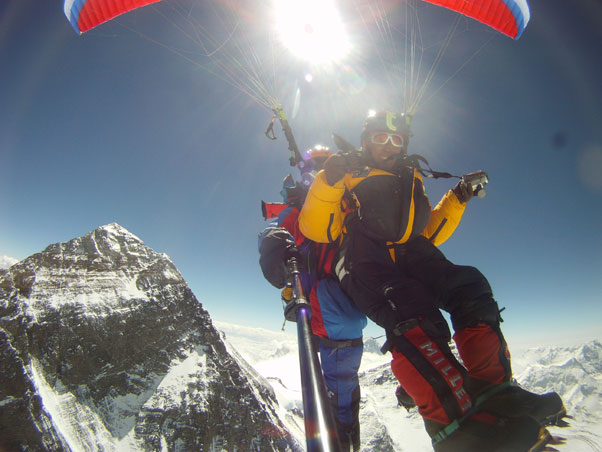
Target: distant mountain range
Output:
[
  {"x": 574, "y": 372},
  {"x": 103, "y": 347}
]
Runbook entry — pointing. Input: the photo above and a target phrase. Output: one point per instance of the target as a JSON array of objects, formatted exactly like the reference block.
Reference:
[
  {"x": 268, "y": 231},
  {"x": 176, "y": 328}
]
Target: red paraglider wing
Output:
[
  {"x": 509, "y": 17},
  {"x": 87, "y": 14}
]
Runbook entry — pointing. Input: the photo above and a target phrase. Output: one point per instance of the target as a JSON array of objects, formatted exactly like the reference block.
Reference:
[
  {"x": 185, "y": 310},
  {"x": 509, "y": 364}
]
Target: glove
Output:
[
  {"x": 338, "y": 165},
  {"x": 404, "y": 399},
  {"x": 287, "y": 294},
  {"x": 335, "y": 168},
  {"x": 276, "y": 247},
  {"x": 463, "y": 191}
]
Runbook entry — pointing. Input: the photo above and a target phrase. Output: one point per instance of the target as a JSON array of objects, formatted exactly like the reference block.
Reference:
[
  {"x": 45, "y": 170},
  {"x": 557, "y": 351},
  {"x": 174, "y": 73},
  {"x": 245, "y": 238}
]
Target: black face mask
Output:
[{"x": 400, "y": 160}]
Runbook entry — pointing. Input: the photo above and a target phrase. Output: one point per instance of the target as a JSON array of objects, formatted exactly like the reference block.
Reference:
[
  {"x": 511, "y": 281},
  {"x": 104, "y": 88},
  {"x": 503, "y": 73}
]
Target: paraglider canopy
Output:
[
  {"x": 87, "y": 14},
  {"x": 509, "y": 17}
]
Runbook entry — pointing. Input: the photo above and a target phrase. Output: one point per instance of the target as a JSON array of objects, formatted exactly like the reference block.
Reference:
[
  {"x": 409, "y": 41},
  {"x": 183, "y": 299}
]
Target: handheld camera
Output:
[{"x": 478, "y": 180}]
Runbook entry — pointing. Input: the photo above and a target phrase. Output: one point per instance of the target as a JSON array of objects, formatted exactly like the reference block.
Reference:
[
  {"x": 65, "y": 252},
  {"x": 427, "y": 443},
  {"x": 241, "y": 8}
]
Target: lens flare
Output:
[
  {"x": 350, "y": 80},
  {"x": 311, "y": 29}
]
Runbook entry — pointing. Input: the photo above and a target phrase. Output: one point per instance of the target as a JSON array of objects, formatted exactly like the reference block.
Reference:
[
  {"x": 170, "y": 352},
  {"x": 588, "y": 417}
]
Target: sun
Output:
[{"x": 311, "y": 29}]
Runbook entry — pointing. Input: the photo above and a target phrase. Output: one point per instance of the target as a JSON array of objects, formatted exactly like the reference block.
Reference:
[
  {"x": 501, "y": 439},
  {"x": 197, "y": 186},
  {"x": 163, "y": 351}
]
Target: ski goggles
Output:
[{"x": 383, "y": 138}]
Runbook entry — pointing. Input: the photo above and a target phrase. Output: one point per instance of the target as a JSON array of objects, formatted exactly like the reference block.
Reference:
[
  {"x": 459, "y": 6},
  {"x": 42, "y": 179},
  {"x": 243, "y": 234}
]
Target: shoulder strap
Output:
[{"x": 415, "y": 160}]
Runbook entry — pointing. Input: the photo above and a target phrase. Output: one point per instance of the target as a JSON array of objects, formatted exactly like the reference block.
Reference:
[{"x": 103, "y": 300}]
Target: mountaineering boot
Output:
[
  {"x": 484, "y": 432},
  {"x": 510, "y": 400},
  {"x": 345, "y": 441},
  {"x": 349, "y": 438}
]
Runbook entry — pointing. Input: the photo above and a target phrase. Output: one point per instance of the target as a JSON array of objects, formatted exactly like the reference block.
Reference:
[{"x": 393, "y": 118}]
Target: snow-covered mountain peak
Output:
[
  {"x": 116, "y": 228},
  {"x": 109, "y": 243},
  {"x": 107, "y": 269},
  {"x": 105, "y": 347}
]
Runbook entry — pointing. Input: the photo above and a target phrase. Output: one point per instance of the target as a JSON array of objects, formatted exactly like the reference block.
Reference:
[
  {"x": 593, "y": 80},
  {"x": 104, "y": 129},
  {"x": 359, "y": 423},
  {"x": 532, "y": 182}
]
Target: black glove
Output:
[
  {"x": 338, "y": 165},
  {"x": 463, "y": 191},
  {"x": 276, "y": 247},
  {"x": 335, "y": 168},
  {"x": 404, "y": 399},
  {"x": 296, "y": 195}
]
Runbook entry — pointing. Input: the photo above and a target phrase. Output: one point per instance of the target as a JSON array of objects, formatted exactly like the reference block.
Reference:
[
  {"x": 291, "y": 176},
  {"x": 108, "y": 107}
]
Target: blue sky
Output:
[{"x": 112, "y": 127}]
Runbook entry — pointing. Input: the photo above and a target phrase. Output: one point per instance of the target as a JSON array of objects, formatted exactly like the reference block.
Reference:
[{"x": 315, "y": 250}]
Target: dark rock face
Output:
[{"x": 104, "y": 347}]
